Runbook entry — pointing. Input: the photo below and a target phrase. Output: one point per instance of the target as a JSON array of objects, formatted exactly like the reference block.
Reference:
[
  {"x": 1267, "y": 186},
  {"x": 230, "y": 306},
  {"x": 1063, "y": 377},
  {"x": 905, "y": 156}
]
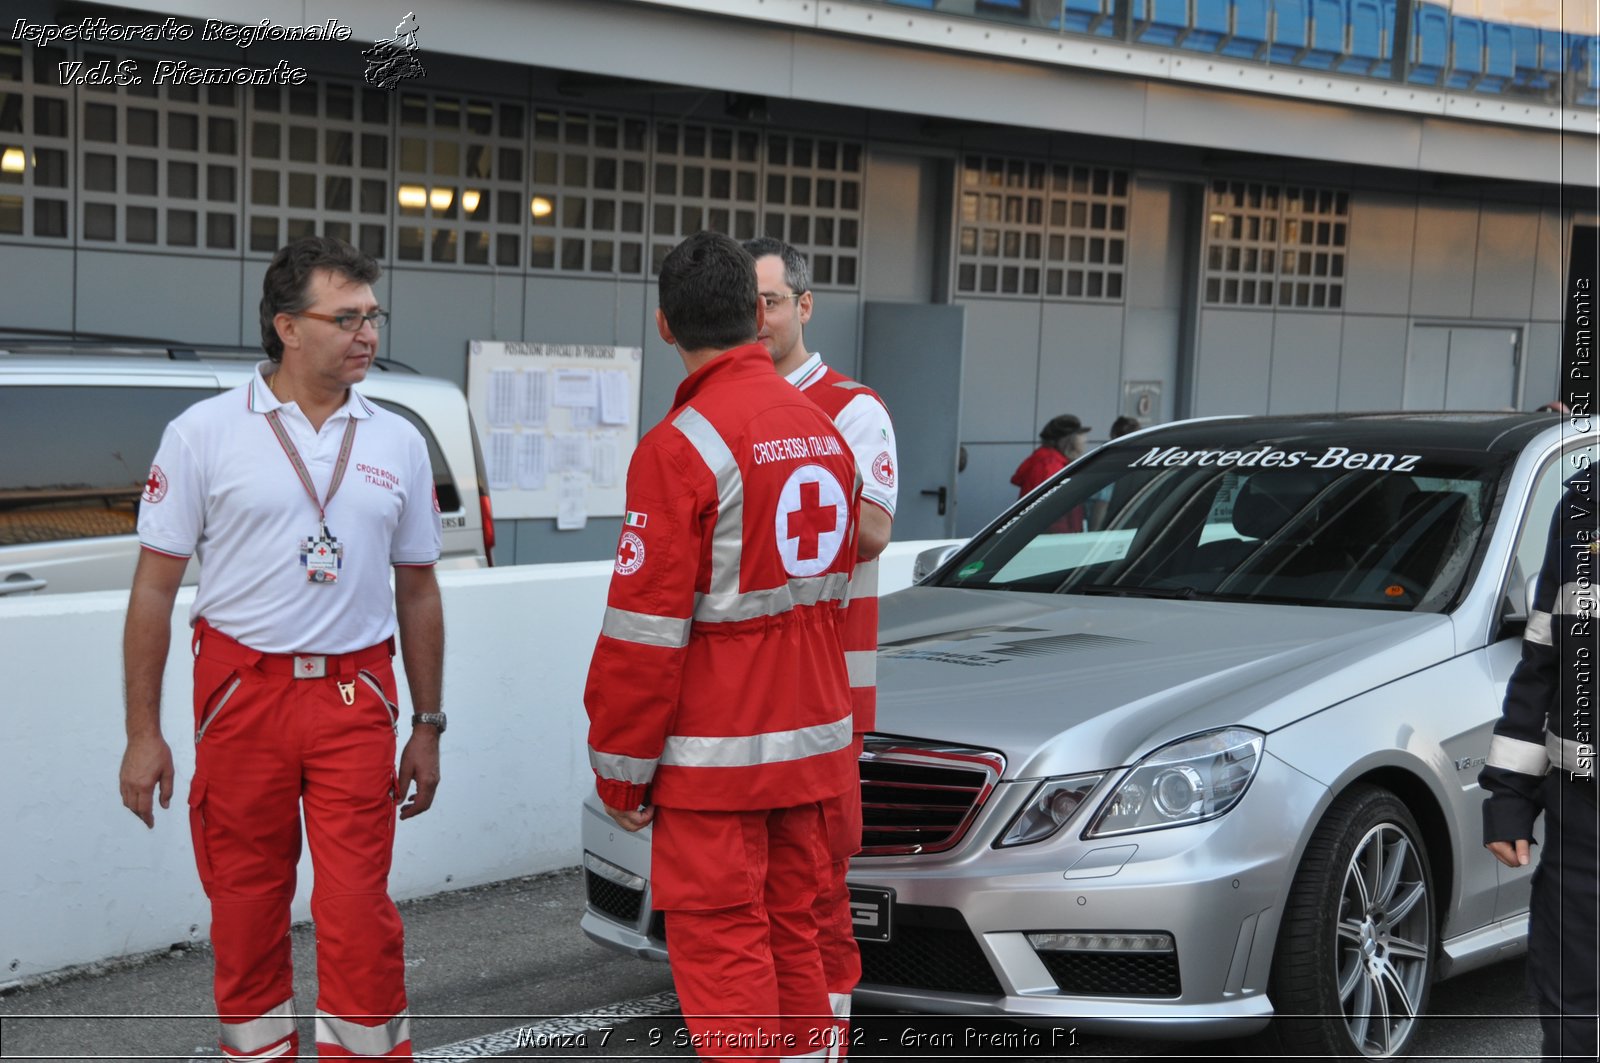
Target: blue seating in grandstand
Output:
[
  {"x": 1210, "y": 25},
  {"x": 1552, "y": 56},
  {"x": 926, "y": 5},
  {"x": 1589, "y": 87},
  {"x": 1366, "y": 38},
  {"x": 1289, "y": 26},
  {"x": 1499, "y": 62},
  {"x": 1466, "y": 52},
  {"x": 1249, "y": 29},
  {"x": 1326, "y": 40},
  {"x": 1160, "y": 22},
  {"x": 1430, "y": 43},
  {"x": 1087, "y": 16},
  {"x": 1525, "y": 56}
]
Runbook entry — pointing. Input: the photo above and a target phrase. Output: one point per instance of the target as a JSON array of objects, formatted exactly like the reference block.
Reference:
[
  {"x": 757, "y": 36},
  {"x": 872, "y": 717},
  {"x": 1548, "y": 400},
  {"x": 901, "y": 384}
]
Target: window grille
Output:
[{"x": 1276, "y": 245}]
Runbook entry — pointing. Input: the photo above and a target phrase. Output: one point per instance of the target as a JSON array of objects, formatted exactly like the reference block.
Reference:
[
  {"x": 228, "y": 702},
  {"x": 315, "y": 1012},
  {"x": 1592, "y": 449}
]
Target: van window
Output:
[
  {"x": 88, "y": 451},
  {"x": 443, "y": 482}
]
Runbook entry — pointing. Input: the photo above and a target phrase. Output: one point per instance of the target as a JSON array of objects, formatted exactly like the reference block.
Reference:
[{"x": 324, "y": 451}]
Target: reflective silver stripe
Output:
[
  {"x": 727, "y": 539},
  {"x": 849, "y": 385},
  {"x": 645, "y": 629},
  {"x": 751, "y": 605},
  {"x": 1575, "y": 599},
  {"x": 1538, "y": 630},
  {"x": 744, "y": 751},
  {"x": 864, "y": 580},
  {"x": 862, "y": 666},
  {"x": 1570, "y": 756},
  {"x": 244, "y": 1038},
  {"x": 1513, "y": 754},
  {"x": 621, "y": 768},
  {"x": 361, "y": 1040}
]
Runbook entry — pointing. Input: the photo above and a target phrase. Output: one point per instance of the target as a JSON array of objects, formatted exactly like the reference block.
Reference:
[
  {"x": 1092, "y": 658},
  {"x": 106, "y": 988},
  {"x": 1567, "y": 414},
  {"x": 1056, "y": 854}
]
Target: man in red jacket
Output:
[{"x": 718, "y": 697}]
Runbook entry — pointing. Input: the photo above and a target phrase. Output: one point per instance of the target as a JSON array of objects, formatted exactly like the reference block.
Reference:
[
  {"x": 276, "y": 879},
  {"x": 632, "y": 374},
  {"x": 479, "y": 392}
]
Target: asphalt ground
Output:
[{"x": 503, "y": 971}]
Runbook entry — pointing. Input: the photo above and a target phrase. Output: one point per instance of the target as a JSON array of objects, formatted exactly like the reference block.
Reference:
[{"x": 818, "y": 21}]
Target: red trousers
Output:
[
  {"x": 266, "y": 745},
  {"x": 836, "y": 935},
  {"x": 740, "y": 889}
]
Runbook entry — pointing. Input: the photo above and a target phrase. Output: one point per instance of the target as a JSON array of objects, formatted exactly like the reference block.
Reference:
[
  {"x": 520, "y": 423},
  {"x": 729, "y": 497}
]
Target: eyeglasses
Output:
[
  {"x": 770, "y": 300},
  {"x": 351, "y": 322}
]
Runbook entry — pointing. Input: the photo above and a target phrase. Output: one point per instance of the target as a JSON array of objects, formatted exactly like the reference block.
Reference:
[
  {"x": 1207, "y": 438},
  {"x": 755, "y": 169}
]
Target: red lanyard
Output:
[{"x": 305, "y": 474}]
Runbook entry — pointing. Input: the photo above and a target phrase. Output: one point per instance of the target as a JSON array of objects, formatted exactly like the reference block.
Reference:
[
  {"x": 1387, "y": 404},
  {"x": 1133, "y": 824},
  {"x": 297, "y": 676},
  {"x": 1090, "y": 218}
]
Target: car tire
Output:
[{"x": 1357, "y": 947}]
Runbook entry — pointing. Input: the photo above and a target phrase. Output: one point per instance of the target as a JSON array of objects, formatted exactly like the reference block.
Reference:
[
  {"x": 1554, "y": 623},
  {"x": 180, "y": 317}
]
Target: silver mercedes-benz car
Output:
[{"x": 1187, "y": 741}]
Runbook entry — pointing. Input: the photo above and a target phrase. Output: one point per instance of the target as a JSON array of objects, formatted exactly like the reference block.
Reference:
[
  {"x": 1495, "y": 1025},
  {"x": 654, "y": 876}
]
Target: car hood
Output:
[{"x": 1062, "y": 683}]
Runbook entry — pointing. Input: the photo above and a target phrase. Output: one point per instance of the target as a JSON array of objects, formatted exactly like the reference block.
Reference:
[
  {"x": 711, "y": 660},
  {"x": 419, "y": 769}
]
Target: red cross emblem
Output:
[
  {"x": 626, "y": 554},
  {"x": 811, "y": 521},
  {"x": 630, "y": 554},
  {"x": 155, "y": 488},
  {"x": 308, "y": 666},
  {"x": 322, "y": 551},
  {"x": 883, "y": 469}
]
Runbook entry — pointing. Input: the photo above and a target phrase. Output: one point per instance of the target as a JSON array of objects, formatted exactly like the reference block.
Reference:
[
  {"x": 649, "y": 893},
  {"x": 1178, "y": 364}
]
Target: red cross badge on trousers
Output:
[
  {"x": 630, "y": 554},
  {"x": 813, "y": 518},
  {"x": 155, "y": 488}
]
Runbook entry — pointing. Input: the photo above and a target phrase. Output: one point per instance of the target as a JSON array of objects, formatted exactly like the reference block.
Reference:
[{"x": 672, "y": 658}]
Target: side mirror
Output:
[{"x": 929, "y": 560}]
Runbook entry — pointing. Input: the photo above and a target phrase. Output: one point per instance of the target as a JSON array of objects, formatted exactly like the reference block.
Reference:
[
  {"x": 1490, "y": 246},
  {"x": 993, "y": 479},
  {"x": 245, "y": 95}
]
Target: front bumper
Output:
[{"x": 960, "y": 920}]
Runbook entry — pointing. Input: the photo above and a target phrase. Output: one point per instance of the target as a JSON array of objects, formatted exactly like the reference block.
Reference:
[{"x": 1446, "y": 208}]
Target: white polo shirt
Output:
[
  {"x": 864, "y": 423},
  {"x": 222, "y": 488}
]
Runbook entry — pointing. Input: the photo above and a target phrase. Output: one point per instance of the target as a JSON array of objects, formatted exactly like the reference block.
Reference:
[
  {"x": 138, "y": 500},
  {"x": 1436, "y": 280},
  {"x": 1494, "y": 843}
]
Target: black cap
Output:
[{"x": 1062, "y": 426}]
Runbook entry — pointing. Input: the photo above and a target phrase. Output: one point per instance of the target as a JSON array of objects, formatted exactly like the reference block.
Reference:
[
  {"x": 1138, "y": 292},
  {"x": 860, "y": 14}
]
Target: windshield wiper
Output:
[{"x": 1118, "y": 591}]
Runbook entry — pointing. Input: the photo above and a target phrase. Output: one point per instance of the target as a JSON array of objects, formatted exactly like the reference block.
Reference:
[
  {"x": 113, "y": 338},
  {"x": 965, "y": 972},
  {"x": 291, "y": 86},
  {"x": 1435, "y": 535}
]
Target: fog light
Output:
[
  {"x": 1055, "y": 941},
  {"x": 612, "y": 873}
]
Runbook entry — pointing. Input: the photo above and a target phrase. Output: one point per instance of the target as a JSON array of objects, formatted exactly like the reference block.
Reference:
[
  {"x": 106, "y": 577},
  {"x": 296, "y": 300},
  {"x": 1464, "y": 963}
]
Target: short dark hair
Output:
[
  {"x": 796, "y": 270},
  {"x": 285, "y": 289},
  {"x": 707, "y": 293},
  {"x": 1062, "y": 426},
  {"x": 1123, "y": 425}
]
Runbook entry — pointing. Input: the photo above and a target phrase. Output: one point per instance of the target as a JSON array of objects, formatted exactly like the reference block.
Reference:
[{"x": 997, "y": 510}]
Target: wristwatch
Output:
[{"x": 435, "y": 718}]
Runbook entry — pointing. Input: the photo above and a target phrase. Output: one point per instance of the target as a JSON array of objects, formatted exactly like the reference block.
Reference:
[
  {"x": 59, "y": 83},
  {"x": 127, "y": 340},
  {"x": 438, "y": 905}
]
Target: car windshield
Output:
[{"x": 1293, "y": 523}]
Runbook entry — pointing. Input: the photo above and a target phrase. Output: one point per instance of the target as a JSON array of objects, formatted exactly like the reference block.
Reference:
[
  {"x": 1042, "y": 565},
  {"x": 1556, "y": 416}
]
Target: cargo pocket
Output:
[
  {"x": 212, "y": 707},
  {"x": 389, "y": 706},
  {"x": 197, "y": 832}
]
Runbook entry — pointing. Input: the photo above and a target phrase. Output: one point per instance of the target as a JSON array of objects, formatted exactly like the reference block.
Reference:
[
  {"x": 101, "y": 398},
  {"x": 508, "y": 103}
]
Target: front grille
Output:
[
  {"x": 1114, "y": 974},
  {"x": 920, "y": 797},
  {"x": 611, "y": 899},
  {"x": 930, "y": 948}
]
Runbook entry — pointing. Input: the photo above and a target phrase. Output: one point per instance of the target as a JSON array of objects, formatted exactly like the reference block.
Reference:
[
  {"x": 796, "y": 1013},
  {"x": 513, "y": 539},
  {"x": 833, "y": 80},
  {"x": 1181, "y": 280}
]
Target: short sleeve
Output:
[
  {"x": 417, "y": 536},
  {"x": 865, "y": 425},
  {"x": 172, "y": 507}
]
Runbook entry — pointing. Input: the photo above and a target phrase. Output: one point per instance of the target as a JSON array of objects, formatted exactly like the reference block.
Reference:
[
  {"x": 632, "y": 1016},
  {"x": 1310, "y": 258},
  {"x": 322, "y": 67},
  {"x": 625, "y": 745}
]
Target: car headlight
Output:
[
  {"x": 1049, "y": 808},
  {"x": 1190, "y": 781}
]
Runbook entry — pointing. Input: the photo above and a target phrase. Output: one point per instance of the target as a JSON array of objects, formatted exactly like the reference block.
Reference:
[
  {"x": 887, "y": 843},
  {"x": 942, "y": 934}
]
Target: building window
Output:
[
  {"x": 1276, "y": 245},
  {"x": 1041, "y": 230},
  {"x": 589, "y": 196},
  {"x": 36, "y": 156},
  {"x": 813, "y": 201}
]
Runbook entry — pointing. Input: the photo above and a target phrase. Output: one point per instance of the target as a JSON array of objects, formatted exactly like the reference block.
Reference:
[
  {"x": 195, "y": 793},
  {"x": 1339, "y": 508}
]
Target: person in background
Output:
[
  {"x": 1062, "y": 441},
  {"x": 1100, "y": 503}
]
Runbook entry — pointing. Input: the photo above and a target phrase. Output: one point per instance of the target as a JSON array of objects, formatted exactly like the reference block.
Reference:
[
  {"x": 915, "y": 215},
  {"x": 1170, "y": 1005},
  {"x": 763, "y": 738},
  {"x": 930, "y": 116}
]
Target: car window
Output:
[
  {"x": 1532, "y": 539},
  {"x": 88, "y": 452},
  {"x": 1388, "y": 531},
  {"x": 443, "y": 482}
]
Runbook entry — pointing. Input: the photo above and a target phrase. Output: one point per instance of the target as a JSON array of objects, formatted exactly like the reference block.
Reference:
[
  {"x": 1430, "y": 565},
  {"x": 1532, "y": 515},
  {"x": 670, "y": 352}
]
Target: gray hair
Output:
[{"x": 796, "y": 270}]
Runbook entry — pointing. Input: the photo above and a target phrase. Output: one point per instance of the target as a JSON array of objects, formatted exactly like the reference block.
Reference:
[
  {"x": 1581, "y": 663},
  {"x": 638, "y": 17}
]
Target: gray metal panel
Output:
[
  {"x": 1541, "y": 355},
  {"x": 985, "y": 485},
  {"x": 1305, "y": 362},
  {"x": 538, "y": 542},
  {"x": 1508, "y": 241},
  {"x": 37, "y": 292},
  {"x": 898, "y": 260},
  {"x": 1001, "y": 369},
  {"x": 1482, "y": 370},
  {"x": 433, "y": 315},
  {"x": 1080, "y": 367},
  {"x": 1378, "y": 272},
  {"x": 1446, "y": 246},
  {"x": 1427, "y": 368},
  {"x": 1157, "y": 234},
  {"x": 1372, "y": 362},
  {"x": 1549, "y": 275},
  {"x": 834, "y": 328},
  {"x": 1234, "y": 362},
  {"x": 162, "y": 296},
  {"x": 1150, "y": 352},
  {"x": 1448, "y": 145}
]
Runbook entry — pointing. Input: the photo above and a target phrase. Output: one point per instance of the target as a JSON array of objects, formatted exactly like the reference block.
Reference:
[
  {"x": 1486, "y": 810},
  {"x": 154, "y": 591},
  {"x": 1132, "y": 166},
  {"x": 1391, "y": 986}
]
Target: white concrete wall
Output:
[{"x": 86, "y": 882}]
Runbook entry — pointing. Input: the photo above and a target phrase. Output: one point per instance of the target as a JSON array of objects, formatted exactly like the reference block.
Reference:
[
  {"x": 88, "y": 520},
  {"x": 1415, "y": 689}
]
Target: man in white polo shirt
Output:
[{"x": 298, "y": 497}]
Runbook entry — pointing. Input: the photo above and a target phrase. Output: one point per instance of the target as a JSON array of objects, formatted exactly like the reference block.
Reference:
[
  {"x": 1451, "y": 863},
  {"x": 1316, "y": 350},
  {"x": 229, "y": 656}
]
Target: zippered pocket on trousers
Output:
[
  {"x": 377, "y": 688},
  {"x": 232, "y": 685}
]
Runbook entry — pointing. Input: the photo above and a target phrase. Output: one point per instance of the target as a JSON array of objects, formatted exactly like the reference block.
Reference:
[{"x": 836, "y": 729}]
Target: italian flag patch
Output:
[{"x": 634, "y": 520}]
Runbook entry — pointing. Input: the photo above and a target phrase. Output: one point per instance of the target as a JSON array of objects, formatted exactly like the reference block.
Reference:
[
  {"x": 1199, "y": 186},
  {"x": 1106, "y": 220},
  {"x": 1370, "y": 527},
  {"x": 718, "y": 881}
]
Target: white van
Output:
[{"x": 80, "y": 422}]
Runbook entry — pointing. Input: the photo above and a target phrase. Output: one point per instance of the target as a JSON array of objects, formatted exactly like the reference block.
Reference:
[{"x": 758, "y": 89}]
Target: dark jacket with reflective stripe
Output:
[
  {"x": 719, "y": 679},
  {"x": 1548, "y": 717}
]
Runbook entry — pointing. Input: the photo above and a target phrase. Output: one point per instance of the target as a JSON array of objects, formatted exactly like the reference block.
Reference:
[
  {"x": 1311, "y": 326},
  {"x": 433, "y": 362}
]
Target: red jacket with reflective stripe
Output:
[
  {"x": 719, "y": 680},
  {"x": 833, "y": 391}
]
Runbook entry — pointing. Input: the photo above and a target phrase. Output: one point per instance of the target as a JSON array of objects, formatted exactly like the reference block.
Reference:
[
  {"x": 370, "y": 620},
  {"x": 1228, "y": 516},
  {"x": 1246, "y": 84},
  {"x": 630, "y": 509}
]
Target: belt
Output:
[{"x": 213, "y": 644}]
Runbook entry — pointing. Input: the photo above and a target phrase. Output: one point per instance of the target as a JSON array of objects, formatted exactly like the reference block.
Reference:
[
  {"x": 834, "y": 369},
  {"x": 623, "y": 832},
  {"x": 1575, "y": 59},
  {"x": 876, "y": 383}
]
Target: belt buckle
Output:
[{"x": 308, "y": 666}]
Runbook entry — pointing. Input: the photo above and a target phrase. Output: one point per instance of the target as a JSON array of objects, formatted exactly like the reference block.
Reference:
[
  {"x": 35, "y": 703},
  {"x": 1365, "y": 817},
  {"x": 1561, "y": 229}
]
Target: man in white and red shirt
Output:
[
  {"x": 719, "y": 704},
  {"x": 299, "y": 498},
  {"x": 784, "y": 278}
]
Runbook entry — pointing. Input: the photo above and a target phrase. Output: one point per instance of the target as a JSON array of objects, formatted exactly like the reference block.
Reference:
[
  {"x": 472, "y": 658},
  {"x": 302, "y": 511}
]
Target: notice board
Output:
[{"x": 558, "y": 423}]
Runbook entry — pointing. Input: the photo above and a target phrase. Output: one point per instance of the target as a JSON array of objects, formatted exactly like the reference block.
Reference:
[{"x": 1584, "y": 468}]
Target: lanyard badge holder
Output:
[{"x": 321, "y": 555}]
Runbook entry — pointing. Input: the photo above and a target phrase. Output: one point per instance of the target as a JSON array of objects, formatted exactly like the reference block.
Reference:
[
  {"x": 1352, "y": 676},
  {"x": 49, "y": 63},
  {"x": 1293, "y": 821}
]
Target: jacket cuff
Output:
[
  {"x": 621, "y": 795},
  {"x": 1508, "y": 818}
]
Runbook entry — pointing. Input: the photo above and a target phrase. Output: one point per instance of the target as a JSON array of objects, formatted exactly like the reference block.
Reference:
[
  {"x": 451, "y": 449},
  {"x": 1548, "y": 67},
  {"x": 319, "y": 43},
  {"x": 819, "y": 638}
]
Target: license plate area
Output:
[{"x": 871, "y": 912}]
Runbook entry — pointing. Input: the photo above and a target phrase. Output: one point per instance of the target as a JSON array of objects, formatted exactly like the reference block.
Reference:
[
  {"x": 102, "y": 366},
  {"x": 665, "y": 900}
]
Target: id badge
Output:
[{"x": 322, "y": 555}]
